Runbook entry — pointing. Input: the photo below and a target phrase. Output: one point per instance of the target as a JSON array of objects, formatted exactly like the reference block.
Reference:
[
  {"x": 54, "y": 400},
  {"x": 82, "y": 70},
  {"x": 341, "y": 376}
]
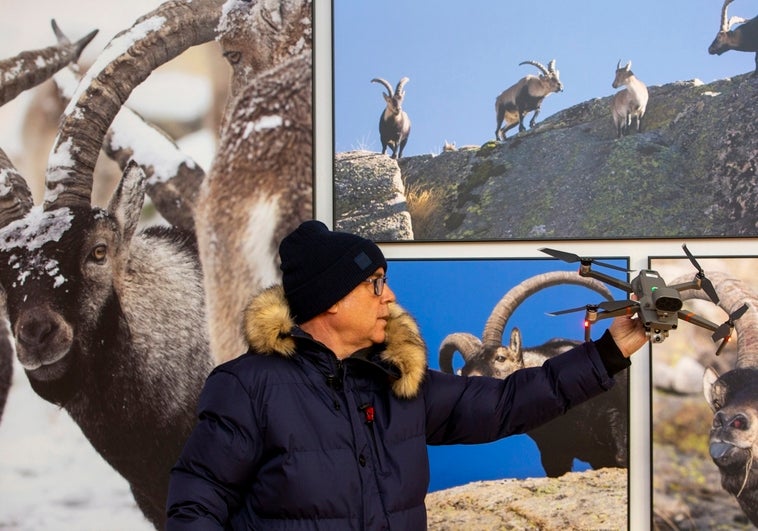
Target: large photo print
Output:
[
  {"x": 703, "y": 399},
  {"x": 574, "y": 120},
  {"x": 136, "y": 223},
  {"x": 490, "y": 317}
]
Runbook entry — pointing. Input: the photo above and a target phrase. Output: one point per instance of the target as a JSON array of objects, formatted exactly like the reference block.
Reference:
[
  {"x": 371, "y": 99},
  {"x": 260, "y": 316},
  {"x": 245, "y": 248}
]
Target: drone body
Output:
[{"x": 657, "y": 305}]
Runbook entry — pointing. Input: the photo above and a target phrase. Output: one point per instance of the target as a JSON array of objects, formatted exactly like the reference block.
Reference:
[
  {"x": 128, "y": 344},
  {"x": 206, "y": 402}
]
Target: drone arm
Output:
[
  {"x": 586, "y": 271},
  {"x": 692, "y": 284},
  {"x": 592, "y": 316},
  {"x": 695, "y": 319},
  {"x": 723, "y": 344}
]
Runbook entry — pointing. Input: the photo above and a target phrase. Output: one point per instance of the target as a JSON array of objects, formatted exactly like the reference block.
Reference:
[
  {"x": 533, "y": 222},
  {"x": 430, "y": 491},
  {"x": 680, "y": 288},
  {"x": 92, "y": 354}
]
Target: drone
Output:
[{"x": 657, "y": 305}]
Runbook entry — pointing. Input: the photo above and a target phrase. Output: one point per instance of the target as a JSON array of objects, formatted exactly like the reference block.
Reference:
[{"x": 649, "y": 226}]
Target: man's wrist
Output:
[{"x": 610, "y": 354}]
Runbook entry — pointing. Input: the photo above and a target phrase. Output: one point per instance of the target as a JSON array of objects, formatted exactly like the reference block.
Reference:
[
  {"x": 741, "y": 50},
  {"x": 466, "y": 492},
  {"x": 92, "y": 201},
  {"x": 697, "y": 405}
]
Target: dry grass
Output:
[{"x": 424, "y": 206}]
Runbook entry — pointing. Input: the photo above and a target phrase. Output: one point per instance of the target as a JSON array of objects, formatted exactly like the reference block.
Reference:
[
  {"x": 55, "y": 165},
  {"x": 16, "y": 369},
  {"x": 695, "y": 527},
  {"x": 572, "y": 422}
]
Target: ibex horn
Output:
[
  {"x": 130, "y": 57},
  {"x": 493, "y": 329}
]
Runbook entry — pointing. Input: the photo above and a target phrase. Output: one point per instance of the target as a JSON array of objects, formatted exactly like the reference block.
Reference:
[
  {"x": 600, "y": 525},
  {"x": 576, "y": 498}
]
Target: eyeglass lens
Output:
[{"x": 378, "y": 285}]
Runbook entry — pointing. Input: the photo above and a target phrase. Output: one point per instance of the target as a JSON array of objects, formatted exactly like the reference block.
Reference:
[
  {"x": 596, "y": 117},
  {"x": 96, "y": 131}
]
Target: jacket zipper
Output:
[{"x": 334, "y": 381}]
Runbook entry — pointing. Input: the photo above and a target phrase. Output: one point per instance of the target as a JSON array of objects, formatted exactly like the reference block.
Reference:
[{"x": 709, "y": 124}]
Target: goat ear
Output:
[
  {"x": 126, "y": 203},
  {"x": 516, "y": 341}
]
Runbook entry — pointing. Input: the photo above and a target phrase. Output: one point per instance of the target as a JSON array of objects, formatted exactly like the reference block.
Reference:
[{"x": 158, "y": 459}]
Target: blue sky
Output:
[
  {"x": 460, "y": 58},
  {"x": 447, "y": 296}
]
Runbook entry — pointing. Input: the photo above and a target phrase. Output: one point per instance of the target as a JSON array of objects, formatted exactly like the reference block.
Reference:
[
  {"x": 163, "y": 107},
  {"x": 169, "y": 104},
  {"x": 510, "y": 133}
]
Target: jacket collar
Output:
[{"x": 268, "y": 327}]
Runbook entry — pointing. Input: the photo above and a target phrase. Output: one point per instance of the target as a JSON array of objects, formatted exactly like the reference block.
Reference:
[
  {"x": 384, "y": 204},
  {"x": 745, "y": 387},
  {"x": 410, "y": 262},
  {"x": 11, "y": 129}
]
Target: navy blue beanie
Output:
[{"x": 319, "y": 267}]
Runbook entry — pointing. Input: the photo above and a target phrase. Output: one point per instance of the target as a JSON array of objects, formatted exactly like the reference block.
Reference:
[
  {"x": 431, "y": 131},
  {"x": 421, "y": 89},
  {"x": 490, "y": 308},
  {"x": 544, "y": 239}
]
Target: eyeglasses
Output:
[{"x": 378, "y": 283}]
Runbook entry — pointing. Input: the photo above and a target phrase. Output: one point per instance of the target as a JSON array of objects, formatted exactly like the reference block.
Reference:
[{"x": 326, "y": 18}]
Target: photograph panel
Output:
[
  {"x": 152, "y": 155},
  {"x": 457, "y": 303},
  {"x": 509, "y": 134},
  {"x": 703, "y": 475}
]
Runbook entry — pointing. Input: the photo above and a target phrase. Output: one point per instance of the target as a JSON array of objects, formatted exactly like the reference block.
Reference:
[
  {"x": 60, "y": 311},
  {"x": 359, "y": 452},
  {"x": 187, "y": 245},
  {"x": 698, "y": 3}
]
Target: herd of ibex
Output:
[
  {"x": 527, "y": 94},
  {"x": 120, "y": 325}
]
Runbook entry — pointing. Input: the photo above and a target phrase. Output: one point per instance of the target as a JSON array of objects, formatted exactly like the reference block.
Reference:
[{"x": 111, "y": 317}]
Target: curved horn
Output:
[
  {"x": 538, "y": 65},
  {"x": 385, "y": 83},
  {"x": 493, "y": 329},
  {"x": 15, "y": 196},
  {"x": 128, "y": 60},
  {"x": 467, "y": 344},
  {"x": 400, "y": 85},
  {"x": 724, "y": 21},
  {"x": 733, "y": 293},
  {"x": 36, "y": 66},
  {"x": 172, "y": 177}
]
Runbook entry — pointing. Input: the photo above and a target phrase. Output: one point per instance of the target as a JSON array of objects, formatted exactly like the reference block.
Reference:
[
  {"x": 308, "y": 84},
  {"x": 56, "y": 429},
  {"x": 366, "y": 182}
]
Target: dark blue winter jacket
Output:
[{"x": 289, "y": 437}]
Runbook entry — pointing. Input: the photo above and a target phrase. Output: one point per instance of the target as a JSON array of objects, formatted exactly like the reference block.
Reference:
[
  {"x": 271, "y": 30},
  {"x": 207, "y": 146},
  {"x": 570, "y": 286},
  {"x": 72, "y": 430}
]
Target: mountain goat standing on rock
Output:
[
  {"x": 743, "y": 39},
  {"x": 394, "y": 124},
  {"x": 628, "y": 104},
  {"x": 515, "y": 102}
]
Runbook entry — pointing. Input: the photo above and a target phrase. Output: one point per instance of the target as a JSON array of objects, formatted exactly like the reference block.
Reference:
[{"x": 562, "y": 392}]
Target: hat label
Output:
[{"x": 362, "y": 260}]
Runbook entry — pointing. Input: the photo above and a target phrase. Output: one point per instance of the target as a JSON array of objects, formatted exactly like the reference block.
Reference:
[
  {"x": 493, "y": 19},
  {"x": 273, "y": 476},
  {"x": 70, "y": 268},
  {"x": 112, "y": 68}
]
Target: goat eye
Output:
[
  {"x": 99, "y": 253},
  {"x": 233, "y": 57},
  {"x": 739, "y": 424}
]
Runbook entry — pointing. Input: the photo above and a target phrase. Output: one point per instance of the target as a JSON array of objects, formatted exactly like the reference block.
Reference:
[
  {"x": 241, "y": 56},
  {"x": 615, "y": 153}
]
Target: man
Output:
[{"x": 324, "y": 422}]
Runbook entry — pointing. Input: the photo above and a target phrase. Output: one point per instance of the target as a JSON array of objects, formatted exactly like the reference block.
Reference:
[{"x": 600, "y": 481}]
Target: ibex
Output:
[
  {"x": 18, "y": 74},
  {"x": 733, "y": 397},
  {"x": 743, "y": 39},
  {"x": 629, "y": 104},
  {"x": 394, "y": 124},
  {"x": 260, "y": 186},
  {"x": 596, "y": 431},
  {"x": 109, "y": 322},
  {"x": 525, "y": 96}
]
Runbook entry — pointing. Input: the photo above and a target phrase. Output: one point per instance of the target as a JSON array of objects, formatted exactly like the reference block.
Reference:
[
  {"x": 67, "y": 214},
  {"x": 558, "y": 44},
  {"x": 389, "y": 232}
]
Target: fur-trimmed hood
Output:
[{"x": 268, "y": 328}]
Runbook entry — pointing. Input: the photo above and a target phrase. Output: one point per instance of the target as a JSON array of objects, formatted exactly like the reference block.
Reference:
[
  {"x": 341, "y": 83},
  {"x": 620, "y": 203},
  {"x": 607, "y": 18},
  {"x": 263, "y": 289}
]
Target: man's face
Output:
[{"x": 361, "y": 316}]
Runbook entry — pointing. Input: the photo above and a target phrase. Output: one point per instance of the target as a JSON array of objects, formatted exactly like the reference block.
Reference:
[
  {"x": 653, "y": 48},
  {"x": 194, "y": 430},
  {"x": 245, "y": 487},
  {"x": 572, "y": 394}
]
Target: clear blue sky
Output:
[
  {"x": 460, "y": 55},
  {"x": 448, "y": 296}
]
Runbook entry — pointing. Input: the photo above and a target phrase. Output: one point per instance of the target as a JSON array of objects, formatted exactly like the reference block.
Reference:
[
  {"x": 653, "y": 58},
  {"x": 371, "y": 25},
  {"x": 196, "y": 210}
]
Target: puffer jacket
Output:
[{"x": 289, "y": 437}]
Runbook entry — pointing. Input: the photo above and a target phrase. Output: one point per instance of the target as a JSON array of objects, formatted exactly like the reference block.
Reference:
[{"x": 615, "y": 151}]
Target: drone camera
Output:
[
  {"x": 657, "y": 336},
  {"x": 666, "y": 300}
]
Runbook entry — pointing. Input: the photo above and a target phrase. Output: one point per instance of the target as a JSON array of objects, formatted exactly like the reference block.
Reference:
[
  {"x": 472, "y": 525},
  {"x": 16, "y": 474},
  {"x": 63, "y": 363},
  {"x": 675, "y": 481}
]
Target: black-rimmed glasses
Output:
[{"x": 379, "y": 283}]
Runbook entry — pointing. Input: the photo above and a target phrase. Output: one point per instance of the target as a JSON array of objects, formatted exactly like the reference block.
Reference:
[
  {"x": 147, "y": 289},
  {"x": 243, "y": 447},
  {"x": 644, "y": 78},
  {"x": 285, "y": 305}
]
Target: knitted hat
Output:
[{"x": 319, "y": 267}]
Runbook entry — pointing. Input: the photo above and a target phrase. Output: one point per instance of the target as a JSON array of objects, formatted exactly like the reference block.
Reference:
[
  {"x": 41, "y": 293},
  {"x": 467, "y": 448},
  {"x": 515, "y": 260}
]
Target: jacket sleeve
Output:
[
  {"x": 477, "y": 409},
  {"x": 218, "y": 458}
]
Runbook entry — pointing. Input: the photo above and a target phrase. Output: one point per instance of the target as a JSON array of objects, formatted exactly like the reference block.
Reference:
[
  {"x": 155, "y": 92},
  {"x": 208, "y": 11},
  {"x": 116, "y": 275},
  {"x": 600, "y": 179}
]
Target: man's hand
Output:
[{"x": 628, "y": 333}]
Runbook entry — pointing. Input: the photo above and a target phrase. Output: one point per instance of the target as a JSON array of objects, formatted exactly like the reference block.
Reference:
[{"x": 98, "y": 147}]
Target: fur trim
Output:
[
  {"x": 268, "y": 324},
  {"x": 406, "y": 350}
]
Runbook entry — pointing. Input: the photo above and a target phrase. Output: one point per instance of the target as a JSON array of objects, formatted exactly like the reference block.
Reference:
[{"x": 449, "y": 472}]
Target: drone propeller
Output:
[
  {"x": 725, "y": 330},
  {"x": 570, "y": 258},
  {"x": 608, "y": 306},
  {"x": 704, "y": 282}
]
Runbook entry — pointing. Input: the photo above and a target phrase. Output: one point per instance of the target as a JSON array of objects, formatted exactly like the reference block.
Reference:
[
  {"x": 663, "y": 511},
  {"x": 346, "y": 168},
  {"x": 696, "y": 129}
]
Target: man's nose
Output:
[{"x": 388, "y": 295}]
